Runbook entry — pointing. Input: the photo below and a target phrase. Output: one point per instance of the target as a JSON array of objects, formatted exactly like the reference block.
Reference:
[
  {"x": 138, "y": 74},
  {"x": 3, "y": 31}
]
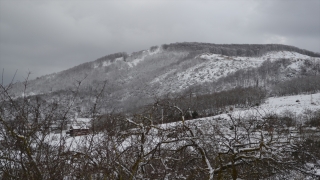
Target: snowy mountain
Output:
[{"x": 175, "y": 68}]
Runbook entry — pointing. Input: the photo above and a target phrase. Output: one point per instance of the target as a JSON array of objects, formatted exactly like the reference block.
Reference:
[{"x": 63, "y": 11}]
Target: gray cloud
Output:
[{"x": 49, "y": 36}]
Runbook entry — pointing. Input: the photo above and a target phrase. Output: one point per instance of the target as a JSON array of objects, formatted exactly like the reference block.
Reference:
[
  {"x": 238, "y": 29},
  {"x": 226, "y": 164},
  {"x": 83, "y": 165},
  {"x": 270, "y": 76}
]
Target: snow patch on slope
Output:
[
  {"x": 95, "y": 65},
  {"x": 215, "y": 66},
  {"x": 285, "y": 54},
  {"x": 106, "y": 63},
  {"x": 158, "y": 50},
  {"x": 296, "y": 64},
  {"x": 118, "y": 59},
  {"x": 136, "y": 61},
  {"x": 145, "y": 54}
]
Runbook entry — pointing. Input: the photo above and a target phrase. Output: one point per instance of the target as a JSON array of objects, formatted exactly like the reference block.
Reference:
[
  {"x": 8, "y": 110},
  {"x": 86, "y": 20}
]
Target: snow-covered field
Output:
[{"x": 296, "y": 103}]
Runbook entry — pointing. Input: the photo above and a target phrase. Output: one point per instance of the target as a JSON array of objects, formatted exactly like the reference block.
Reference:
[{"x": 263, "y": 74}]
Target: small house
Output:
[
  {"x": 78, "y": 131},
  {"x": 79, "y": 127}
]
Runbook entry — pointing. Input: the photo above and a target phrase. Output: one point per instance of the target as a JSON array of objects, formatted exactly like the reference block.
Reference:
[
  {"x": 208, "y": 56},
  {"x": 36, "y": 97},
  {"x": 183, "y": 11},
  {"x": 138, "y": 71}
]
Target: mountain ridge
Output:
[
  {"x": 173, "y": 68},
  {"x": 192, "y": 46}
]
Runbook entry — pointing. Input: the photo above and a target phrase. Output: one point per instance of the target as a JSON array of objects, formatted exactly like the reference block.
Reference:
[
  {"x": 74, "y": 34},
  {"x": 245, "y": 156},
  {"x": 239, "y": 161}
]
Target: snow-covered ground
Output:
[
  {"x": 136, "y": 61},
  {"x": 215, "y": 66},
  {"x": 296, "y": 103}
]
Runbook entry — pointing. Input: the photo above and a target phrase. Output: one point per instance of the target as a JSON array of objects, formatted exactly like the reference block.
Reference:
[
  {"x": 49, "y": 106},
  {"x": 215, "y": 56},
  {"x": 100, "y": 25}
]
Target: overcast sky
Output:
[{"x": 50, "y": 36}]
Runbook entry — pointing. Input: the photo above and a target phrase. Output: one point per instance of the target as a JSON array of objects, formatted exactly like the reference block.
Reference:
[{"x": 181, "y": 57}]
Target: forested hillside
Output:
[{"x": 133, "y": 80}]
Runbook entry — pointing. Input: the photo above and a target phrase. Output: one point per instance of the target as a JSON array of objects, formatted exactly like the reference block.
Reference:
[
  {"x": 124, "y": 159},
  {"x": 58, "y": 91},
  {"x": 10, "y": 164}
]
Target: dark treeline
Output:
[
  {"x": 190, "y": 104},
  {"x": 212, "y": 104},
  {"x": 235, "y": 49},
  {"x": 308, "y": 84},
  {"x": 238, "y": 97}
]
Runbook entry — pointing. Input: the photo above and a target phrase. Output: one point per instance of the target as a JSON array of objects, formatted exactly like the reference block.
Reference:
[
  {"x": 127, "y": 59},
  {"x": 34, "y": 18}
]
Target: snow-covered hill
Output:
[
  {"x": 214, "y": 66},
  {"x": 174, "y": 68}
]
